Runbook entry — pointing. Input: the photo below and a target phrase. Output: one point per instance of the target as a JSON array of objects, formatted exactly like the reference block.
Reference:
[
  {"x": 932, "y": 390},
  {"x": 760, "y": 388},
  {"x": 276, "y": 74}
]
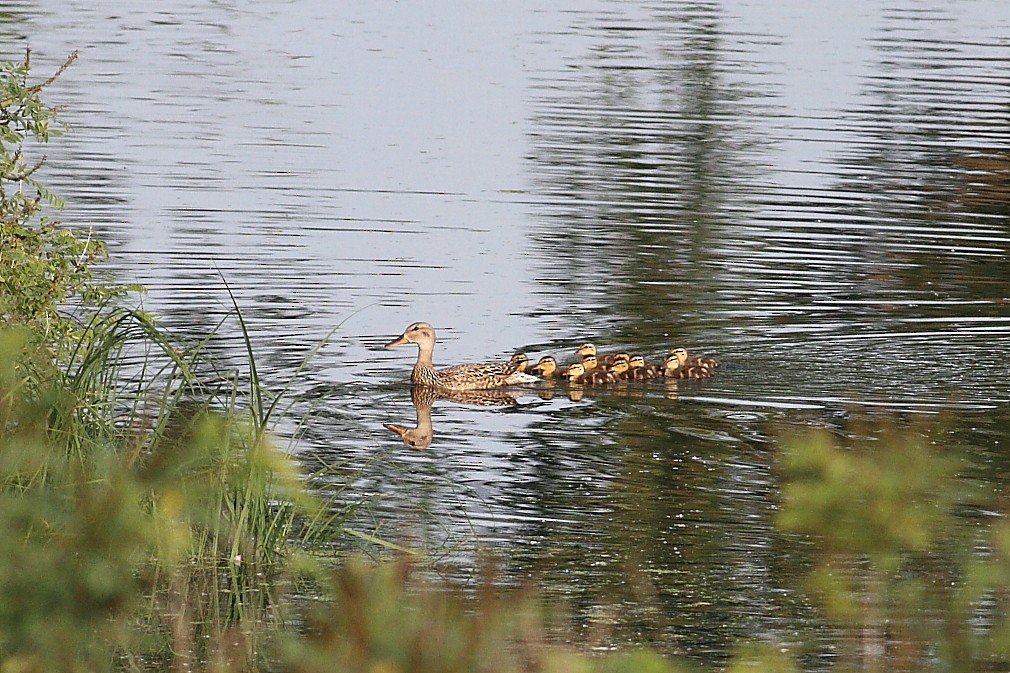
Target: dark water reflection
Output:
[{"x": 819, "y": 198}]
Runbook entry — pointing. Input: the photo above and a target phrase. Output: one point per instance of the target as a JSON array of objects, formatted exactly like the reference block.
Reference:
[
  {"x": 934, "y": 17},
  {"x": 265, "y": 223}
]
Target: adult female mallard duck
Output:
[
  {"x": 675, "y": 370},
  {"x": 701, "y": 360},
  {"x": 476, "y": 376}
]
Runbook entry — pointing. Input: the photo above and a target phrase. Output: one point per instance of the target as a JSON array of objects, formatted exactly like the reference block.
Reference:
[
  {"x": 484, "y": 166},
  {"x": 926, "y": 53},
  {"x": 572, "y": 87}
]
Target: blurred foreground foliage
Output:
[{"x": 903, "y": 564}]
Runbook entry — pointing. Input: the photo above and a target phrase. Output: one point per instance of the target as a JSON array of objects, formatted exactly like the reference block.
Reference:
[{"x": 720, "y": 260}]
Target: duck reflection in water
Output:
[{"x": 423, "y": 397}]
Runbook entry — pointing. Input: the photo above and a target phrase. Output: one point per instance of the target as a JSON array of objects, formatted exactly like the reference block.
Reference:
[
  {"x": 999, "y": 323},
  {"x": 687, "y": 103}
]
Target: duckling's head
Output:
[
  {"x": 586, "y": 349},
  {"x": 671, "y": 362},
  {"x": 590, "y": 362},
  {"x": 420, "y": 333},
  {"x": 681, "y": 354},
  {"x": 546, "y": 366},
  {"x": 522, "y": 360},
  {"x": 576, "y": 370},
  {"x": 618, "y": 367},
  {"x": 621, "y": 356},
  {"x": 636, "y": 361}
]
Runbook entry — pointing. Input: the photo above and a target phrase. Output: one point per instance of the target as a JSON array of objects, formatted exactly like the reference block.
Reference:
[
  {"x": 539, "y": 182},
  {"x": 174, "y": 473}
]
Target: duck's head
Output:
[
  {"x": 618, "y": 367},
  {"x": 621, "y": 356},
  {"x": 590, "y": 362},
  {"x": 671, "y": 361},
  {"x": 681, "y": 354},
  {"x": 522, "y": 360},
  {"x": 576, "y": 370},
  {"x": 546, "y": 366},
  {"x": 586, "y": 349},
  {"x": 418, "y": 438},
  {"x": 636, "y": 361},
  {"x": 420, "y": 333}
]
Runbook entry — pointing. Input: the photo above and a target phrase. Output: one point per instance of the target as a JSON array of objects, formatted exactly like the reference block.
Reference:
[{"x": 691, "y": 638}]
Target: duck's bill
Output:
[
  {"x": 398, "y": 341},
  {"x": 398, "y": 429}
]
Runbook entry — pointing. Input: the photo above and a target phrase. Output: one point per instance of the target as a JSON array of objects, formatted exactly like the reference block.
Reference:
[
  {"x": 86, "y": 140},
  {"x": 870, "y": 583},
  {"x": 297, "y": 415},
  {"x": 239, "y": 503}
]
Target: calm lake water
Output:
[{"x": 819, "y": 197}]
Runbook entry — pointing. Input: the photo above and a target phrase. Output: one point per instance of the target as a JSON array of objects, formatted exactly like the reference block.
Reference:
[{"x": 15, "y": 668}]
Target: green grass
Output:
[{"x": 136, "y": 477}]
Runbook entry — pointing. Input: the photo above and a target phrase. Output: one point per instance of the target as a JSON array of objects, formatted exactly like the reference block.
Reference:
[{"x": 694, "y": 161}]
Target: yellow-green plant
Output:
[
  {"x": 42, "y": 265},
  {"x": 386, "y": 619}
]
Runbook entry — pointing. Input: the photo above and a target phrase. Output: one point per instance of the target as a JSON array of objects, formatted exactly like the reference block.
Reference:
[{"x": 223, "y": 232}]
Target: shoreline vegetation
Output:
[{"x": 149, "y": 521}]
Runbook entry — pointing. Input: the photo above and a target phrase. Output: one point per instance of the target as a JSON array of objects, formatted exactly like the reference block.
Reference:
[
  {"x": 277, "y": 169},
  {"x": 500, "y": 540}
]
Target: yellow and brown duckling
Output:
[
  {"x": 576, "y": 373},
  {"x": 673, "y": 369},
  {"x": 547, "y": 368},
  {"x": 599, "y": 377},
  {"x": 604, "y": 359},
  {"x": 697, "y": 360},
  {"x": 474, "y": 376},
  {"x": 522, "y": 360},
  {"x": 618, "y": 369},
  {"x": 640, "y": 370}
]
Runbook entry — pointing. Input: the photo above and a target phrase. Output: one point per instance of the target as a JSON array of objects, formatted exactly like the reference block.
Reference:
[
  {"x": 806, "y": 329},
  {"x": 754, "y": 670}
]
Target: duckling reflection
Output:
[{"x": 423, "y": 397}]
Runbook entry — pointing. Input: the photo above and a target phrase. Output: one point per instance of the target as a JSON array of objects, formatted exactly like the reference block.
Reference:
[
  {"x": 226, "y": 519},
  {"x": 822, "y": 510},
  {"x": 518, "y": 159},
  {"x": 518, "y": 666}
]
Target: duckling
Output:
[
  {"x": 640, "y": 370},
  {"x": 609, "y": 359},
  {"x": 599, "y": 377},
  {"x": 603, "y": 358},
  {"x": 547, "y": 368},
  {"x": 576, "y": 373},
  {"x": 522, "y": 360},
  {"x": 619, "y": 369},
  {"x": 590, "y": 362},
  {"x": 475, "y": 376},
  {"x": 685, "y": 359},
  {"x": 675, "y": 370}
]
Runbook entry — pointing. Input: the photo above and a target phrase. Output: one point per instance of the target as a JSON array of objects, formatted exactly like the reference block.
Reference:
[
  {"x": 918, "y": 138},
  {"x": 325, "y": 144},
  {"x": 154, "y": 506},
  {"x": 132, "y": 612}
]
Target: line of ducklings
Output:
[{"x": 604, "y": 368}]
